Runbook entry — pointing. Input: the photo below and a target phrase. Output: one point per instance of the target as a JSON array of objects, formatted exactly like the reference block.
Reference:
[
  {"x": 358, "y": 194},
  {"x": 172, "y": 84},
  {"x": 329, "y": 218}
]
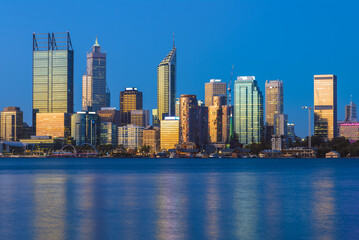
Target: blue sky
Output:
[{"x": 287, "y": 40}]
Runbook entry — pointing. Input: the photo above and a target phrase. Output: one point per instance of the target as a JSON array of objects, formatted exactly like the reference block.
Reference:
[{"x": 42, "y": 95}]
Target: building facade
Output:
[
  {"x": 169, "y": 133},
  {"x": 94, "y": 85},
  {"x": 280, "y": 124},
  {"x": 218, "y": 120},
  {"x": 108, "y": 135},
  {"x": 140, "y": 117},
  {"x": 53, "y": 64},
  {"x": 189, "y": 132},
  {"x": 166, "y": 85},
  {"x": 151, "y": 138},
  {"x": 213, "y": 88},
  {"x": 351, "y": 112},
  {"x": 291, "y": 132},
  {"x": 325, "y": 106},
  {"x": 130, "y": 99},
  {"x": 130, "y": 136},
  {"x": 248, "y": 110},
  {"x": 349, "y": 130},
  {"x": 86, "y": 128},
  {"x": 56, "y": 125},
  {"x": 110, "y": 114},
  {"x": 11, "y": 124},
  {"x": 273, "y": 100}
]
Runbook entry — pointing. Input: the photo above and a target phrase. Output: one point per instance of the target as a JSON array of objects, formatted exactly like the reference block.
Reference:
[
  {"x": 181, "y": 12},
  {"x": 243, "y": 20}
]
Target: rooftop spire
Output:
[{"x": 96, "y": 43}]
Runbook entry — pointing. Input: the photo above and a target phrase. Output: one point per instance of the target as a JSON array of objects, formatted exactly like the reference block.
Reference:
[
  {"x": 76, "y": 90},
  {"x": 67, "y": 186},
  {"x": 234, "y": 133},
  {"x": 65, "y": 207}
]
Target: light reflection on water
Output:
[{"x": 179, "y": 199}]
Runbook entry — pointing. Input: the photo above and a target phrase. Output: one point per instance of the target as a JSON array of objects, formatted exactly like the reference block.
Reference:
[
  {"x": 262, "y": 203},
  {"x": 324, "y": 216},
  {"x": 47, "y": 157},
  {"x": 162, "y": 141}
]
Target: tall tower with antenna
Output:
[{"x": 231, "y": 137}]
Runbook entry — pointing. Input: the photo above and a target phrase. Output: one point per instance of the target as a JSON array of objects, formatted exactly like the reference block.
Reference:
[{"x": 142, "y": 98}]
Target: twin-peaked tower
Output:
[{"x": 95, "y": 93}]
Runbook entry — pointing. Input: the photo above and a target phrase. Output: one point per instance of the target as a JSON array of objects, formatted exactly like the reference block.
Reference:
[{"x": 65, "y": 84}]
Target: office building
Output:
[
  {"x": 351, "y": 112},
  {"x": 110, "y": 114},
  {"x": 155, "y": 120},
  {"x": 11, "y": 127},
  {"x": 203, "y": 125},
  {"x": 108, "y": 135},
  {"x": 218, "y": 120},
  {"x": 213, "y": 88},
  {"x": 349, "y": 130},
  {"x": 56, "y": 125},
  {"x": 130, "y": 99},
  {"x": 130, "y": 136},
  {"x": 291, "y": 132},
  {"x": 273, "y": 100},
  {"x": 177, "y": 108},
  {"x": 86, "y": 128},
  {"x": 151, "y": 138},
  {"x": 94, "y": 95},
  {"x": 325, "y": 106},
  {"x": 189, "y": 133},
  {"x": 166, "y": 85},
  {"x": 169, "y": 133},
  {"x": 280, "y": 124},
  {"x": 248, "y": 110},
  {"x": 53, "y": 76},
  {"x": 140, "y": 117}
]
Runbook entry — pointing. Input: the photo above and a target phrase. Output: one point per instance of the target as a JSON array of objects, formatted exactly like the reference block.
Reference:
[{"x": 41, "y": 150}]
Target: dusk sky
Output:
[{"x": 286, "y": 40}]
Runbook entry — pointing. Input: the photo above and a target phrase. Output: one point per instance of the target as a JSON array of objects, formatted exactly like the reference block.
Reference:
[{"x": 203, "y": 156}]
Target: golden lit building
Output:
[
  {"x": 325, "y": 106},
  {"x": 218, "y": 120},
  {"x": 151, "y": 137},
  {"x": 140, "y": 117},
  {"x": 11, "y": 124},
  {"x": 166, "y": 85},
  {"x": 169, "y": 133},
  {"x": 56, "y": 125},
  {"x": 213, "y": 88},
  {"x": 189, "y": 132},
  {"x": 273, "y": 100},
  {"x": 130, "y": 99}
]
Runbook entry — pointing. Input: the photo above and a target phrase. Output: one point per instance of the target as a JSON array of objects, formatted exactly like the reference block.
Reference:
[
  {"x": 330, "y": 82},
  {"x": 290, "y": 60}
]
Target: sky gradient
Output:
[{"x": 287, "y": 40}]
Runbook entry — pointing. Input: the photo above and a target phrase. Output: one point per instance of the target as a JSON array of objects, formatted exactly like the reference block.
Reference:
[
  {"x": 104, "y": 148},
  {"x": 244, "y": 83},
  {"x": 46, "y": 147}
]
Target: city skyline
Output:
[{"x": 202, "y": 55}]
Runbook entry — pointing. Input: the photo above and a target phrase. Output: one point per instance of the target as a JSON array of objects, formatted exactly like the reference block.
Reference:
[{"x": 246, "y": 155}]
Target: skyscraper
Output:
[
  {"x": 218, "y": 120},
  {"x": 86, "y": 128},
  {"x": 11, "y": 124},
  {"x": 248, "y": 110},
  {"x": 325, "y": 106},
  {"x": 53, "y": 63},
  {"x": 189, "y": 132},
  {"x": 273, "y": 100},
  {"x": 213, "y": 88},
  {"x": 169, "y": 133},
  {"x": 130, "y": 99},
  {"x": 166, "y": 85},
  {"x": 351, "y": 112},
  {"x": 94, "y": 87}
]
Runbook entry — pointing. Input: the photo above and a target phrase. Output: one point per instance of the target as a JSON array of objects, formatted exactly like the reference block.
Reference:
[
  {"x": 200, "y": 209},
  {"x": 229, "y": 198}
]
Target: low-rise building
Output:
[
  {"x": 151, "y": 138},
  {"x": 130, "y": 136}
]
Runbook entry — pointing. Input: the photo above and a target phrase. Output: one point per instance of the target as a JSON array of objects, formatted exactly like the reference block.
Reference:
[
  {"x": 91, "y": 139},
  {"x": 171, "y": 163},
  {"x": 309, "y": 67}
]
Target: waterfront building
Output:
[
  {"x": 130, "y": 136},
  {"x": 280, "y": 124},
  {"x": 325, "y": 106},
  {"x": 248, "y": 110},
  {"x": 110, "y": 114},
  {"x": 166, "y": 85},
  {"x": 53, "y": 77},
  {"x": 213, "y": 88},
  {"x": 169, "y": 133},
  {"x": 291, "y": 132},
  {"x": 273, "y": 100},
  {"x": 349, "y": 130},
  {"x": 108, "y": 135},
  {"x": 11, "y": 127},
  {"x": 130, "y": 99},
  {"x": 86, "y": 128},
  {"x": 151, "y": 138},
  {"x": 279, "y": 142},
  {"x": 218, "y": 119},
  {"x": 189, "y": 119},
  {"x": 94, "y": 86},
  {"x": 140, "y": 117},
  {"x": 351, "y": 112},
  {"x": 56, "y": 125},
  {"x": 155, "y": 120}
]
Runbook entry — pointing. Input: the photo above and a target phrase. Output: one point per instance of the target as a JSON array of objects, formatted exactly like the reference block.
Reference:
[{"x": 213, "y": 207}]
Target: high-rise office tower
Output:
[
  {"x": 351, "y": 112},
  {"x": 280, "y": 124},
  {"x": 86, "y": 128},
  {"x": 94, "y": 87},
  {"x": 213, "y": 88},
  {"x": 325, "y": 106},
  {"x": 130, "y": 99},
  {"x": 166, "y": 85},
  {"x": 248, "y": 110},
  {"x": 169, "y": 133},
  {"x": 273, "y": 100},
  {"x": 291, "y": 132},
  {"x": 11, "y": 124},
  {"x": 108, "y": 134},
  {"x": 189, "y": 119},
  {"x": 218, "y": 119},
  {"x": 53, "y": 71}
]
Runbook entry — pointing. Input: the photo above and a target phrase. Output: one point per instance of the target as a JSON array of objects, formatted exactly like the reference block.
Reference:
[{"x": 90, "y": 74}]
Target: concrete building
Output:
[
  {"x": 110, "y": 114},
  {"x": 140, "y": 117},
  {"x": 349, "y": 130},
  {"x": 273, "y": 100},
  {"x": 170, "y": 133},
  {"x": 151, "y": 138},
  {"x": 325, "y": 106},
  {"x": 56, "y": 125},
  {"x": 189, "y": 132},
  {"x": 130, "y": 99},
  {"x": 11, "y": 127},
  {"x": 218, "y": 120},
  {"x": 130, "y": 136},
  {"x": 213, "y": 88},
  {"x": 86, "y": 128}
]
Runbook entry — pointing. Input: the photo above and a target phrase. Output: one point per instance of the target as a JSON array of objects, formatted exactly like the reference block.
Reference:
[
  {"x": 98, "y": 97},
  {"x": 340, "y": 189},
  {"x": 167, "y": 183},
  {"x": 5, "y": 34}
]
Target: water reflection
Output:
[{"x": 213, "y": 206}]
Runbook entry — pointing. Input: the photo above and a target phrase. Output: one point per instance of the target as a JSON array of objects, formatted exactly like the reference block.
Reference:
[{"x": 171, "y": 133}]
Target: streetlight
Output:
[{"x": 309, "y": 125}]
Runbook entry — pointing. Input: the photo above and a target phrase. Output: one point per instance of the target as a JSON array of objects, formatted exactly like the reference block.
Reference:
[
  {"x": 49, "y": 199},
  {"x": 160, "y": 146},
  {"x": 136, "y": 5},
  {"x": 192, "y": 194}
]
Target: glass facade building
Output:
[
  {"x": 130, "y": 136},
  {"x": 169, "y": 133},
  {"x": 130, "y": 99},
  {"x": 273, "y": 100},
  {"x": 11, "y": 127},
  {"x": 248, "y": 110},
  {"x": 108, "y": 134},
  {"x": 325, "y": 106},
  {"x": 94, "y": 87},
  {"x": 166, "y": 86},
  {"x": 59, "y": 127},
  {"x": 53, "y": 63},
  {"x": 86, "y": 128}
]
